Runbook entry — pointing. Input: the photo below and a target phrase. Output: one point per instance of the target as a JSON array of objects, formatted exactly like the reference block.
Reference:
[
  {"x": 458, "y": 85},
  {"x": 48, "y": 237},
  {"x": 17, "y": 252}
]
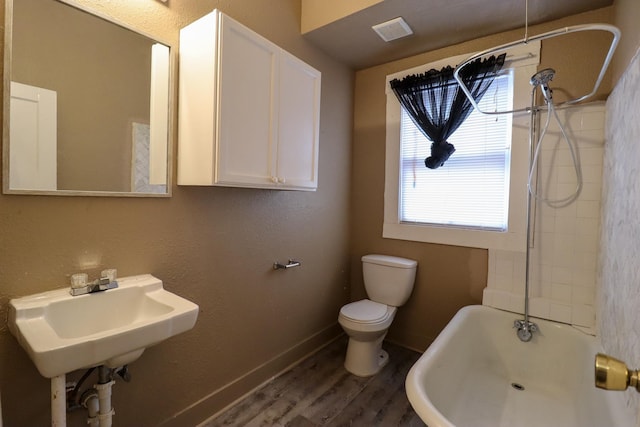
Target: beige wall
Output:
[
  {"x": 448, "y": 277},
  {"x": 214, "y": 246},
  {"x": 316, "y": 13}
]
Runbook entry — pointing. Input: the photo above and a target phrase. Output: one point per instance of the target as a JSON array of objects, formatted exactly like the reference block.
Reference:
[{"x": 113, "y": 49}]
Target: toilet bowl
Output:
[
  {"x": 366, "y": 323},
  {"x": 389, "y": 282}
]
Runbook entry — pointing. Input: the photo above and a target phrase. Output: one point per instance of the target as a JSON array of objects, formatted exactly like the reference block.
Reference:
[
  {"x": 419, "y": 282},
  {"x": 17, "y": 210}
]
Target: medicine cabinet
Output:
[{"x": 248, "y": 110}]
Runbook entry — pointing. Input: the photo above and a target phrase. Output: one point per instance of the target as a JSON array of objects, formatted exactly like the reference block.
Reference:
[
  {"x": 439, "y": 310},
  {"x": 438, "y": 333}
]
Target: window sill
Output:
[{"x": 455, "y": 236}]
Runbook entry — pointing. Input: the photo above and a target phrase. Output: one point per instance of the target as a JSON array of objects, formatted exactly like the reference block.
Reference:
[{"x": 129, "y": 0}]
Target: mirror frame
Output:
[{"x": 6, "y": 101}]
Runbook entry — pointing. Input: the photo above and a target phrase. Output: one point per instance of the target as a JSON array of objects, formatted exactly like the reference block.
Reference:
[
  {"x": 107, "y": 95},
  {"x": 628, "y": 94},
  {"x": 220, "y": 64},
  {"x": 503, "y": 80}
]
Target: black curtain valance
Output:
[{"x": 438, "y": 106}]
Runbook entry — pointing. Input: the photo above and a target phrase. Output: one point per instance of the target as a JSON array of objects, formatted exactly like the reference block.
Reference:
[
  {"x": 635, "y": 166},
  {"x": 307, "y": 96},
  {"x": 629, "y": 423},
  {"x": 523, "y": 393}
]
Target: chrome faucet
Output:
[
  {"x": 79, "y": 285},
  {"x": 525, "y": 329}
]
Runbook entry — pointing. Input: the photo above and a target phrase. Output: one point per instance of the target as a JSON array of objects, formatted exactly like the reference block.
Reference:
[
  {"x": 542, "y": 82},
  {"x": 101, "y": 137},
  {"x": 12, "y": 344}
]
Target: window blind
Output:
[{"x": 472, "y": 189}]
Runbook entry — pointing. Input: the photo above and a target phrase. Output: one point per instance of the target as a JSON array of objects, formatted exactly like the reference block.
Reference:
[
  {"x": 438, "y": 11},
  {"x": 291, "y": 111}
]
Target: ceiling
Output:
[{"x": 435, "y": 23}]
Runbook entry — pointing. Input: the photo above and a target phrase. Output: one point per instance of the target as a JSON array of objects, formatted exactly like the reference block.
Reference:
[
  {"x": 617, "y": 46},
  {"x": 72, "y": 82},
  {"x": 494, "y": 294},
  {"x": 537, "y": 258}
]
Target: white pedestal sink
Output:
[{"x": 62, "y": 333}]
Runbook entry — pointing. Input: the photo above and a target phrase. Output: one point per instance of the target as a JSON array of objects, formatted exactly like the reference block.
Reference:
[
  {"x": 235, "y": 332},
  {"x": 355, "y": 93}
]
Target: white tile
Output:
[
  {"x": 591, "y": 156},
  {"x": 504, "y": 267},
  {"x": 594, "y": 120},
  {"x": 583, "y": 295},
  {"x": 565, "y": 225},
  {"x": 546, "y": 224},
  {"x": 516, "y": 303},
  {"x": 567, "y": 175},
  {"x": 562, "y": 156},
  {"x": 546, "y": 273},
  {"x": 504, "y": 283},
  {"x": 519, "y": 270},
  {"x": 587, "y": 226},
  {"x": 500, "y": 300},
  {"x": 587, "y": 242},
  {"x": 588, "y": 209},
  {"x": 491, "y": 278},
  {"x": 535, "y": 289},
  {"x": 591, "y": 191},
  {"x": 583, "y": 315},
  {"x": 546, "y": 290},
  {"x": 563, "y": 244},
  {"x": 544, "y": 210},
  {"x": 561, "y": 293},
  {"x": 572, "y": 119},
  {"x": 570, "y": 210},
  {"x": 584, "y": 278},
  {"x": 540, "y": 307},
  {"x": 518, "y": 287},
  {"x": 592, "y": 173},
  {"x": 564, "y": 259},
  {"x": 546, "y": 257},
  {"x": 487, "y": 297},
  {"x": 560, "y": 312},
  {"x": 586, "y": 261},
  {"x": 564, "y": 192}
]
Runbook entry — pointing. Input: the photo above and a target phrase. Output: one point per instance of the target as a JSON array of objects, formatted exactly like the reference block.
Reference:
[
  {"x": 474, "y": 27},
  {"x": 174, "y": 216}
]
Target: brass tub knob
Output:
[{"x": 613, "y": 374}]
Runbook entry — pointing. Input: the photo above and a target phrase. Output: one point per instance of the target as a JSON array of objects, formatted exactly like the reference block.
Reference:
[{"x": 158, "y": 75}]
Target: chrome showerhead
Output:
[{"x": 542, "y": 79}]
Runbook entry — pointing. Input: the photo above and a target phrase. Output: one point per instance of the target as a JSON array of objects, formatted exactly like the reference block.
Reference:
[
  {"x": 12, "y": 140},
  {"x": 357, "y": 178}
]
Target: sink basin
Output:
[{"x": 62, "y": 333}]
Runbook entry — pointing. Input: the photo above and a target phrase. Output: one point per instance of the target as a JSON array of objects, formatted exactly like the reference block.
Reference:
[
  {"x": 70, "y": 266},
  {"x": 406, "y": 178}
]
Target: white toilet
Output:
[{"x": 388, "y": 281}]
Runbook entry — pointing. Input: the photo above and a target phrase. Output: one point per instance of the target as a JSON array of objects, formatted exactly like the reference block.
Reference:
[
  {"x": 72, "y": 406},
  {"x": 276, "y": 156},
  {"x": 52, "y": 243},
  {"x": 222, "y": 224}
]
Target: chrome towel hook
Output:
[{"x": 291, "y": 263}]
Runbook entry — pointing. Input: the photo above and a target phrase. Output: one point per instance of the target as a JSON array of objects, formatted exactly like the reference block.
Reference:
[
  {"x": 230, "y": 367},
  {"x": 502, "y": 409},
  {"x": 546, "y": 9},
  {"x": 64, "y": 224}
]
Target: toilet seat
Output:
[{"x": 367, "y": 311}]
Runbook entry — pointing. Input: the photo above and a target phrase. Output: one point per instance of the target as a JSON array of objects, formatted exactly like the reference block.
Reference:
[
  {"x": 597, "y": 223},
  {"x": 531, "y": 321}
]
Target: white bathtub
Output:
[{"x": 472, "y": 374}]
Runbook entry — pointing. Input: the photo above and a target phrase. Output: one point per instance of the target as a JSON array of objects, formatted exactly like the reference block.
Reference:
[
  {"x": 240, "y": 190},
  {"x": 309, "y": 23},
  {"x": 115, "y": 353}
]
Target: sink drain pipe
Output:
[
  {"x": 89, "y": 400},
  {"x": 97, "y": 400}
]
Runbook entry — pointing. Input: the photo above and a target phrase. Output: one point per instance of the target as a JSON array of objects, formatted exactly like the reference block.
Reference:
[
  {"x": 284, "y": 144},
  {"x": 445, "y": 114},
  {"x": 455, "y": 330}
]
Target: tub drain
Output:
[{"x": 517, "y": 386}]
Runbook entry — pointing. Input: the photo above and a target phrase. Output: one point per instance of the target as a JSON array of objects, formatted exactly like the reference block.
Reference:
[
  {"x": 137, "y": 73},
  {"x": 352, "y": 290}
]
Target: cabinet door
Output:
[
  {"x": 298, "y": 124},
  {"x": 246, "y": 103}
]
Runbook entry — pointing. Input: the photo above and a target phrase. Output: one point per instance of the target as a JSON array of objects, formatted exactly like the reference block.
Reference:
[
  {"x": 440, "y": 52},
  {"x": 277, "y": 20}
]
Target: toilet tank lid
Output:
[{"x": 390, "y": 261}]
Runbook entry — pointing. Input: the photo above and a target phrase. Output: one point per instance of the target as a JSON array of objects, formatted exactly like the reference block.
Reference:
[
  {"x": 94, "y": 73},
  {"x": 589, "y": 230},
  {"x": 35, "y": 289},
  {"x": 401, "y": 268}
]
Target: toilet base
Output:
[{"x": 365, "y": 358}]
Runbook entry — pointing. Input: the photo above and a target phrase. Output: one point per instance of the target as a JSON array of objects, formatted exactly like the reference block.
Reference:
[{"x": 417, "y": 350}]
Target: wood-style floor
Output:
[{"x": 320, "y": 392}]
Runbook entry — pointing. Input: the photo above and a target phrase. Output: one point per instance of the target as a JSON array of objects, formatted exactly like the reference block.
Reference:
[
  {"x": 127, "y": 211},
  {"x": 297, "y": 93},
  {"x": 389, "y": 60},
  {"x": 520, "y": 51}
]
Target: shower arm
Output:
[{"x": 561, "y": 31}]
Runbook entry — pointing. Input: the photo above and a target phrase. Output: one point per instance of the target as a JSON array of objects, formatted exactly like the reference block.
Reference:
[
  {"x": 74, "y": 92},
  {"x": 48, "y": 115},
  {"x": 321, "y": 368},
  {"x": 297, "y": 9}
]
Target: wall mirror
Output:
[{"x": 86, "y": 104}]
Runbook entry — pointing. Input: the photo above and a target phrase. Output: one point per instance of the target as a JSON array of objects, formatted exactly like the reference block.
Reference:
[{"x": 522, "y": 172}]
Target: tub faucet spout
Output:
[{"x": 525, "y": 329}]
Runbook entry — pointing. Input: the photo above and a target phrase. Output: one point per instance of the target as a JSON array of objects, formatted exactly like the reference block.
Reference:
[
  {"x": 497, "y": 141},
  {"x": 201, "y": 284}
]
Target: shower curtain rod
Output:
[{"x": 561, "y": 31}]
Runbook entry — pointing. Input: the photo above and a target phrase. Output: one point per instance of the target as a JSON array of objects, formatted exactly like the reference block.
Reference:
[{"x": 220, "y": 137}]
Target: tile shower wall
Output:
[
  {"x": 565, "y": 241},
  {"x": 619, "y": 278}
]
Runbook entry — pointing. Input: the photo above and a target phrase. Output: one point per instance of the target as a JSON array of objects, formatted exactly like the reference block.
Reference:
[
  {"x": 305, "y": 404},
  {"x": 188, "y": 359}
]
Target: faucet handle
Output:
[
  {"x": 79, "y": 280},
  {"x": 109, "y": 273}
]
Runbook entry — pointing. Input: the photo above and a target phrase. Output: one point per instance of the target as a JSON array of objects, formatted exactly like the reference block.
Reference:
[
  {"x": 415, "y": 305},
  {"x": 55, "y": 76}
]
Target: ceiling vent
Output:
[{"x": 393, "y": 29}]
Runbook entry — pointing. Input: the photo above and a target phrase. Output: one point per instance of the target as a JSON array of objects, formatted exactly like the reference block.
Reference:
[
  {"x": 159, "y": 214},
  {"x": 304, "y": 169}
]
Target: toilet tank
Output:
[{"x": 388, "y": 279}]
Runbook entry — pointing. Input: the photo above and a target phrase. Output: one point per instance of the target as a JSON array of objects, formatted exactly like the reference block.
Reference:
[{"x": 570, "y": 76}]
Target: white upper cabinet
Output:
[{"x": 248, "y": 111}]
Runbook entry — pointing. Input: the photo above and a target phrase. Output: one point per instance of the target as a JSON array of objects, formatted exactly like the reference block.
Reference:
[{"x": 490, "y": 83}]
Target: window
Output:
[
  {"x": 472, "y": 188},
  {"x": 478, "y": 198}
]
